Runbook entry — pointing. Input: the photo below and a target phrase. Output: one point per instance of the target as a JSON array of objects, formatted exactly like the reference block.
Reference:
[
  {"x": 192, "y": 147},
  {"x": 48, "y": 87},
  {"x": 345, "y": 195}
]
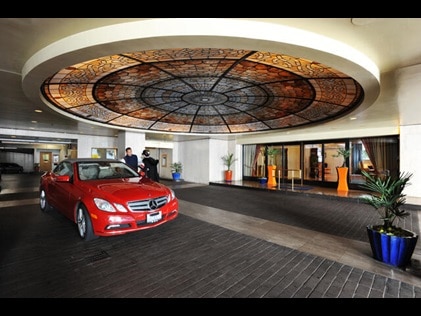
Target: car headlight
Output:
[
  {"x": 106, "y": 206},
  {"x": 120, "y": 207},
  {"x": 171, "y": 196}
]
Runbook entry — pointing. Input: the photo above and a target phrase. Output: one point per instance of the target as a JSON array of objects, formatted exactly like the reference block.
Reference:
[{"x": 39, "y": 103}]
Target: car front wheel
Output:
[
  {"x": 43, "y": 203},
  {"x": 84, "y": 224}
]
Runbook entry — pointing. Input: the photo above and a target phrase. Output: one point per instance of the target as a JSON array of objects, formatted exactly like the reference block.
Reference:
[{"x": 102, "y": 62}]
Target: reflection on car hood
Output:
[{"x": 129, "y": 189}]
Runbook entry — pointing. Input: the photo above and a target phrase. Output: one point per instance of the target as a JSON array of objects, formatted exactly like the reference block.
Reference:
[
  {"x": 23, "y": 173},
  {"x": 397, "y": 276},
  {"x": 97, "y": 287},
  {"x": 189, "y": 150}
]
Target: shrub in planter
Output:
[
  {"x": 389, "y": 243},
  {"x": 228, "y": 161},
  {"x": 176, "y": 169}
]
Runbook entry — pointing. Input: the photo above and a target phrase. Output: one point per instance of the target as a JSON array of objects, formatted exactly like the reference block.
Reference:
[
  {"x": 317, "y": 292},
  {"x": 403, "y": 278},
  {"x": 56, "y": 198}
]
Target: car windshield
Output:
[{"x": 105, "y": 170}]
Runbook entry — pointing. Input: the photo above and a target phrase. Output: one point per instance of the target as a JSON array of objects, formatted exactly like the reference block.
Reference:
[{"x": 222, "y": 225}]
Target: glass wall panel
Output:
[
  {"x": 332, "y": 160},
  {"x": 317, "y": 162},
  {"x": 359, "y": 160},
  {"x": 313, "y": 162},
  {"x": 254, "y": 161},
  {"x": 291, "y": 163}
]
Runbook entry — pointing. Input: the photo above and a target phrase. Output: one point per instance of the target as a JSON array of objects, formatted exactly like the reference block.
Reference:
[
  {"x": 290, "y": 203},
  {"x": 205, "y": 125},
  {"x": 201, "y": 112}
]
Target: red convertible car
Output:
[{"x": 106, "y": 197}]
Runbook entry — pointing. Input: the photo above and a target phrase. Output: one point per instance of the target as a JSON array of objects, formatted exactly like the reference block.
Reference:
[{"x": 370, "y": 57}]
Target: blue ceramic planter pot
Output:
[
  {"x": 176, "y": 176},
  {"x": 393, "y": 250},
  {"x": 263, "y": 180}
]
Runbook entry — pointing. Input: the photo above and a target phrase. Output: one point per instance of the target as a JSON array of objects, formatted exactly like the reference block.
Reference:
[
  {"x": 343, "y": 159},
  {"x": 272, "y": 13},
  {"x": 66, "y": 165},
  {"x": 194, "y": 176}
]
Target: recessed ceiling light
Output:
[
  {"x": 34, "y": 122},
  {"x": 38, "y": 111},
  {"x": 352, "y": 118}
]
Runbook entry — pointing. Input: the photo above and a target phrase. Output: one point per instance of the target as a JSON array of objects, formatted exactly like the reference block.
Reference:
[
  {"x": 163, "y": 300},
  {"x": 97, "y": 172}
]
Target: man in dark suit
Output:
[
  {"x": 151, "y": 166},
  {"x": 131, "y": 159}
]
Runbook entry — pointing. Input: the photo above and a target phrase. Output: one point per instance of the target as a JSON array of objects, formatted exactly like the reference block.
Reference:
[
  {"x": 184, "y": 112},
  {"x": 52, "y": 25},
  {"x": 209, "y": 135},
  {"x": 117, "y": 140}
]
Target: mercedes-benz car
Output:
[{"x": 106, "y": 197}]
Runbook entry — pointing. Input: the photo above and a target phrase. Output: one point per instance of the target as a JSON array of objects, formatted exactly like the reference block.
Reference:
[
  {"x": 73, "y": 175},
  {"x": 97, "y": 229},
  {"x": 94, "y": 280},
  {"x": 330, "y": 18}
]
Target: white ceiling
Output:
[{"x": 390, "y": 43}]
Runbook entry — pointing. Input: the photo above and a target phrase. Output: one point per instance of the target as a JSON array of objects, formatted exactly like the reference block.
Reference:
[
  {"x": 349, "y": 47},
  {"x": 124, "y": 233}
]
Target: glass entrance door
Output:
[{"x": 313, "y": 162}]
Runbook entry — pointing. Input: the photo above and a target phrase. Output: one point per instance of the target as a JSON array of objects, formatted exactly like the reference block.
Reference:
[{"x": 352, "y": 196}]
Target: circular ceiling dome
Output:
[
  {"x": 175, "y": 84},
  {"x": 203, "y": 91}
]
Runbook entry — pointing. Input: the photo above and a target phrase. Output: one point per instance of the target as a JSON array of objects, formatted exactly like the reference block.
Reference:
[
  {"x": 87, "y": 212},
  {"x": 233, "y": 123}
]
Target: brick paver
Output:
[{"x": 42, "y": 257}]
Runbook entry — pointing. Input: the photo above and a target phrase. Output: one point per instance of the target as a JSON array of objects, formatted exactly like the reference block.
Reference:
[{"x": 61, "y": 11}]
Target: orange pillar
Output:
[
  {"x": 271, "y": 175},
  {"x": 342, "y": 178}
]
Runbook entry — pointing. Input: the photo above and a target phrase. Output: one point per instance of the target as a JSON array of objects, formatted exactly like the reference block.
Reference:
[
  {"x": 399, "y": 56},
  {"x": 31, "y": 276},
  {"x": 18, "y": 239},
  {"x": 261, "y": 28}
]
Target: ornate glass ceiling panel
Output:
[{"x": 205, "y": 91}]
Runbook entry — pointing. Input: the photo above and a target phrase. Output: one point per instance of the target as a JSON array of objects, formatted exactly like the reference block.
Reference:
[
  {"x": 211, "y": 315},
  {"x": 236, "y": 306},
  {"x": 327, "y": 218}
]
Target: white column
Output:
[
  {"x": 135, "y": 140},
  {"x": 408, "y": 82}
]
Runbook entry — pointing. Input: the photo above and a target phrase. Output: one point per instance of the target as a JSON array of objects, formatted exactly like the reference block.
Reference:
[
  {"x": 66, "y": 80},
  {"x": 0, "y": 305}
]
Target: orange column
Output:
[
  {"x": 271, "y": 175},
  {"x": 342, "y": 178}
]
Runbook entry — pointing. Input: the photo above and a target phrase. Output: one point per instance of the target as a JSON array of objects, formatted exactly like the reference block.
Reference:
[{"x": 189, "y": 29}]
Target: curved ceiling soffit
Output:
[{"x": 203, "y": 90}]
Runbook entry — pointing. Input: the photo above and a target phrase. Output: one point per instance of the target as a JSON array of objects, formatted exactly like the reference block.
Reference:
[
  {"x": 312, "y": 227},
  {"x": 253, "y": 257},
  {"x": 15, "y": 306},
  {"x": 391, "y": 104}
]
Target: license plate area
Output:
[{"x": 153, "y": 217}]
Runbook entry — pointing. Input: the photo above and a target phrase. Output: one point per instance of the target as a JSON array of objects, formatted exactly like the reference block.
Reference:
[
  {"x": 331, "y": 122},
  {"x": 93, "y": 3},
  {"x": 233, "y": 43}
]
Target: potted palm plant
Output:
[
  {"x": 390, "y": 243},
  {"x": 271, "y": 152},
  {"x": 176, "y": 170},
  {"x": 342, "y": 170},
  {"x": 228, "y": 160},
  {"x": 344, "y": 153},
  {"x": 271, "y": 168}
]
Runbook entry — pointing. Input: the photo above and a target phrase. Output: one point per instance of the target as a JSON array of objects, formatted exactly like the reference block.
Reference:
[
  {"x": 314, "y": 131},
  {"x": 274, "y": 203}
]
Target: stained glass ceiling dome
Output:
[{"x": 202, "y": 90}]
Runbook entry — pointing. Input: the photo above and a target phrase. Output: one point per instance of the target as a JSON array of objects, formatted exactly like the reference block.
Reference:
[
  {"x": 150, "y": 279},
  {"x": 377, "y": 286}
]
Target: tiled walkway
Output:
[{"x": 228, "y": 242}]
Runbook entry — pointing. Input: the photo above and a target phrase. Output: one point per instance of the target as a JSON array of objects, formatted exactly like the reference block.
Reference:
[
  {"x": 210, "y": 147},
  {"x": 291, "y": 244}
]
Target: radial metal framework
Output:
[{"x": 203, "y": 91}]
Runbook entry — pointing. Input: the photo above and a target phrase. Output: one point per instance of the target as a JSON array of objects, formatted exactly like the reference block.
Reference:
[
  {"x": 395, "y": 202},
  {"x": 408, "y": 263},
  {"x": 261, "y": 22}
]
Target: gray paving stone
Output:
[{"x": 187, "y": 258}]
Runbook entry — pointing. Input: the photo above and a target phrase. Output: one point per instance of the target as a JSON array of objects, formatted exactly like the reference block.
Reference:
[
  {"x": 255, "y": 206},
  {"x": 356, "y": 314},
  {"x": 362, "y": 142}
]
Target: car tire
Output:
[
  {"x": 84, "y": 224},
  {"x": 43, "y": 203}
]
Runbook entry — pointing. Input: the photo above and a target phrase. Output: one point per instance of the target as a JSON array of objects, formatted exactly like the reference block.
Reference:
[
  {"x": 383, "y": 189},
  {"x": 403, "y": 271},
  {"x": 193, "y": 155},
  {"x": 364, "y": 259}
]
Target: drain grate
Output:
[{"x": 100, "y": 255}]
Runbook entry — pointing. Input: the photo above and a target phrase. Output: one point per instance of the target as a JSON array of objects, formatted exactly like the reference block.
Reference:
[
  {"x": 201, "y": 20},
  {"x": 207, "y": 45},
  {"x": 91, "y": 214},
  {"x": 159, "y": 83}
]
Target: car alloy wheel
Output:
[
  {"x": 43, "y": 203},
  {"x": 81, "y": 222},
  {"x": 84, "y": 224}
]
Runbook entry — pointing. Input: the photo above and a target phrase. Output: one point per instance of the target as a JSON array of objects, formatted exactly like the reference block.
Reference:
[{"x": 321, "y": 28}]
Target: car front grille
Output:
[{"x": 148, "y": 205}]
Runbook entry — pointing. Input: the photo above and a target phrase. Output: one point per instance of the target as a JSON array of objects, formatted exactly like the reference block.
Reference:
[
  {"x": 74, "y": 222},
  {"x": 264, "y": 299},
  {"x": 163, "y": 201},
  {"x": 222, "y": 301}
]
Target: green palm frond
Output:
[
  {"x": 342, "y": 152},
  {"x": 271, "y": 151},
  {"x": 229, "y": 160},
  {"x": 387, "y": 195}
]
